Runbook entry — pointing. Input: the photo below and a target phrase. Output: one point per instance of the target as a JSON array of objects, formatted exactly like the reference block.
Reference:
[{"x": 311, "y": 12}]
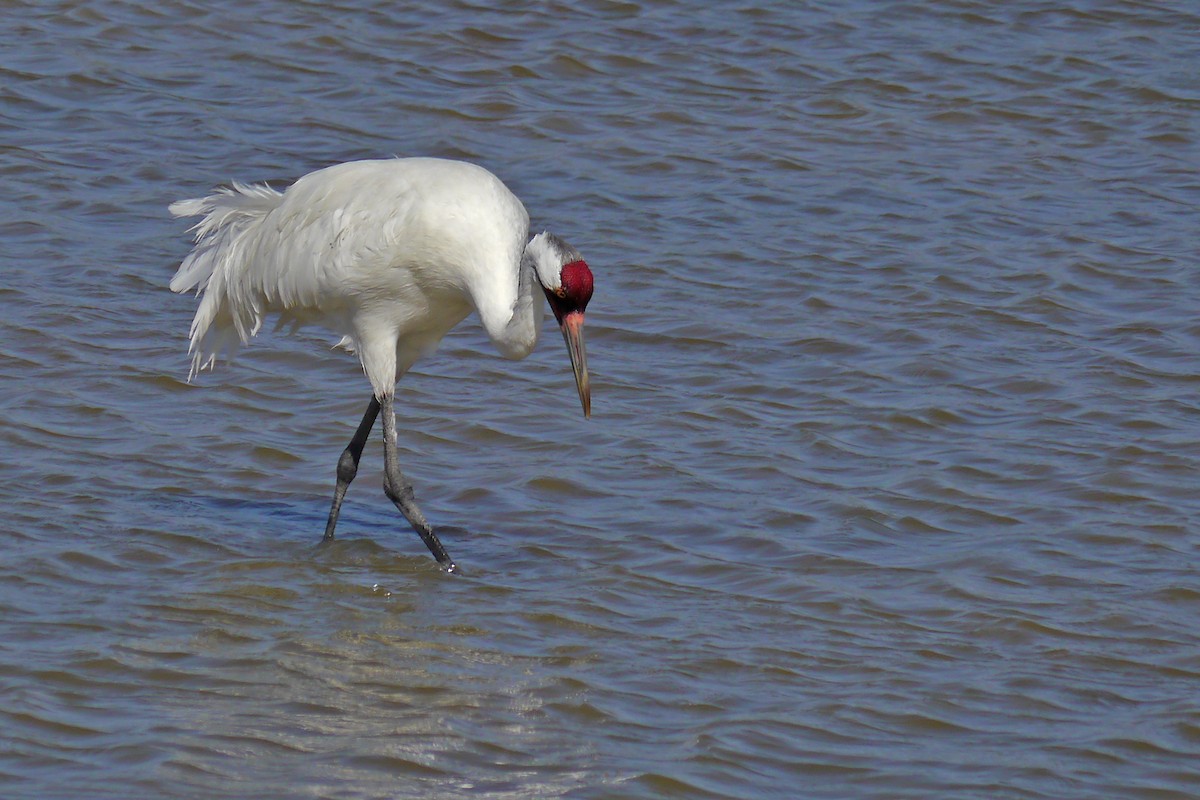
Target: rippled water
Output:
[{"x": 890, "y": 486}]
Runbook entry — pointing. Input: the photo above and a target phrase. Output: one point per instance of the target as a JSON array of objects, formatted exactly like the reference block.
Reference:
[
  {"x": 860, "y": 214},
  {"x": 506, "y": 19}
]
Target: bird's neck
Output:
[{"x": 519, "y": 333}]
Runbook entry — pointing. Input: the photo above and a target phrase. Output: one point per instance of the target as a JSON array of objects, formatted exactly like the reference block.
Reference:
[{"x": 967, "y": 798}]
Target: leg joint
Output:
[
  {"x": 347, "y": 466},
  {"x": 398, "y": 491}
]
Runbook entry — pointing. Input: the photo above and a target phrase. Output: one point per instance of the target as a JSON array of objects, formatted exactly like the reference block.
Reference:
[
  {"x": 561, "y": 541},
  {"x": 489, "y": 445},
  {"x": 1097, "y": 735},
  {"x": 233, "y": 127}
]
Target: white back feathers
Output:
[{"x": 391, "y": 254}]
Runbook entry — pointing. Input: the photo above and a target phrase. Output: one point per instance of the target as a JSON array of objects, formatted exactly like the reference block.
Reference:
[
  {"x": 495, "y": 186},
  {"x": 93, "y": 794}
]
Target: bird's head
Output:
[{"x": 567, "y": 282}]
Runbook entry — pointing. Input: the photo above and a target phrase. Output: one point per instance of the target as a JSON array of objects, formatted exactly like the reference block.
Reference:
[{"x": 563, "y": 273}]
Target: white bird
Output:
[{"x": 391, "y": 254}]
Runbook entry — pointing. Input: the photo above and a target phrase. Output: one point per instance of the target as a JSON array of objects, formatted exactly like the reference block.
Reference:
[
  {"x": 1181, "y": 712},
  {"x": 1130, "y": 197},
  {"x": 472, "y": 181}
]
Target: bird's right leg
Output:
[
  {"x": 347, "y": 466},
  {"x": 400, "y": 492}
]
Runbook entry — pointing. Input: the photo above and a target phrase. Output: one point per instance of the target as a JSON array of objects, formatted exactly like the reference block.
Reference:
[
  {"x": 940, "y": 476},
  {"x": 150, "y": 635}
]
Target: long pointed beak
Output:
[{"x": 572, "y": 330}]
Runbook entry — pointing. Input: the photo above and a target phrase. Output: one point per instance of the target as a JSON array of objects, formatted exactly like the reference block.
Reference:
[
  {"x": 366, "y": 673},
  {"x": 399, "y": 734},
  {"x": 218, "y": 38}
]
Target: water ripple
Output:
[{"x": 889, "y": 490}]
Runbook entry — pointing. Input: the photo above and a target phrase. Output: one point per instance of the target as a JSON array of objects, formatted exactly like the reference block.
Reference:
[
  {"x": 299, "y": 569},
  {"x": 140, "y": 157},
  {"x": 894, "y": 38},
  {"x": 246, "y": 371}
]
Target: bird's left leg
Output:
[
  {"x": 347, "y": 466},
  {"x": 400, "y": 492}
]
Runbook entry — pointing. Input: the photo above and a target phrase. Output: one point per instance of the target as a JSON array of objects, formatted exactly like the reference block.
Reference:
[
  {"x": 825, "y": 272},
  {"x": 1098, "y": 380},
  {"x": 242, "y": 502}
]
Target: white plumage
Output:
[
  {"x": 387, "y": 253},
  {"x": 391, "y": 254}
]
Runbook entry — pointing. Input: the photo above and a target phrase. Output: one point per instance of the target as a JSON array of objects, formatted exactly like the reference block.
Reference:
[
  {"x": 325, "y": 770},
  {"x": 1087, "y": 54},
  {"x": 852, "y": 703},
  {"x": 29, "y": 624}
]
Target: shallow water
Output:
[{"x": 890, "y": 485}]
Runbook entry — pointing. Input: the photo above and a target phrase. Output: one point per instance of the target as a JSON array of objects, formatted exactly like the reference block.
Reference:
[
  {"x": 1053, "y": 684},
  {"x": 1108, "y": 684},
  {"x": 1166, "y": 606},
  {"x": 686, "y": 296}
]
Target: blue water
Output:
[{"x": 889, "y": 488}]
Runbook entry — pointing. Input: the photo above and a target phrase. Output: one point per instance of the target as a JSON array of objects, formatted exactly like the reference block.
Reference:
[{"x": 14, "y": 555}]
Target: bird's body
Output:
[{"x": 391, "y": 254}]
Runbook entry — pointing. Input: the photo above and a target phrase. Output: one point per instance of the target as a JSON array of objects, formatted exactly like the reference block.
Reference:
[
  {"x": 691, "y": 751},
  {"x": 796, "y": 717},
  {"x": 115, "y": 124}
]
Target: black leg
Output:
[
  {"x": 400, "y": 492},
  {"x": 347, "y": 466}
]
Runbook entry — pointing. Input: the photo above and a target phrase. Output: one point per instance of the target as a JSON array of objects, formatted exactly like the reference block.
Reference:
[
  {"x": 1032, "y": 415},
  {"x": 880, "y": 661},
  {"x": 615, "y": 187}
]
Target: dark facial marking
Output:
[
  {"x": 575, "y": 292},
  {"x": 577, "y": 283}
]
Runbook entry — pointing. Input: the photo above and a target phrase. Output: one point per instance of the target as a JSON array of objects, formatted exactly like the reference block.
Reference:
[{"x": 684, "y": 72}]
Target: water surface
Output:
[{"x": 890, "y": 485}]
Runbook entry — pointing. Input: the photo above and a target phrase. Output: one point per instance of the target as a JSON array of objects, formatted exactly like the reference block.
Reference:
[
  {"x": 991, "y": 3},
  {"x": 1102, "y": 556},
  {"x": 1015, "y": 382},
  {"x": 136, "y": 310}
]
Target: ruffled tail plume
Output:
[{"x": 225, "y": 318}]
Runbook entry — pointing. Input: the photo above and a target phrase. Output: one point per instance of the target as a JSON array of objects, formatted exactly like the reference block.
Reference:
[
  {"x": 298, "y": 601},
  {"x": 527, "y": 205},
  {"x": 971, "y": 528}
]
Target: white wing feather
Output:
[{"x": 390, "y": 254}]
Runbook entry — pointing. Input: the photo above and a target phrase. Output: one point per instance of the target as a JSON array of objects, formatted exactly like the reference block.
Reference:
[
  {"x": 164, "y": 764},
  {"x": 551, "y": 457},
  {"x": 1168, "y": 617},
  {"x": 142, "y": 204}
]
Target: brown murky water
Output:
[{"x": 890, "y": 489}]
